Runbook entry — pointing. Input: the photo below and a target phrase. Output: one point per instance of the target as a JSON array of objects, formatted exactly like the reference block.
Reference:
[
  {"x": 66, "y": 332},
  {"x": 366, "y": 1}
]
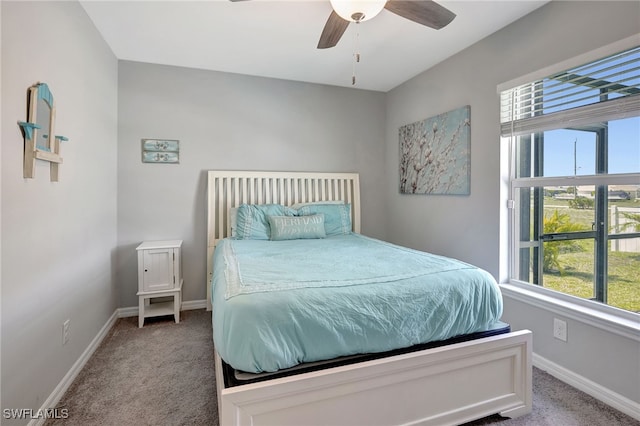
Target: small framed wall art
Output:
[{"x": 160, "y": 151}]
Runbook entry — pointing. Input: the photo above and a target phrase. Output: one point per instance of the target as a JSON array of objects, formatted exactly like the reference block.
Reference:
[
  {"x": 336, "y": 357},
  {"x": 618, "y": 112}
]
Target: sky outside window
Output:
[{"x": 623, "y": 143}]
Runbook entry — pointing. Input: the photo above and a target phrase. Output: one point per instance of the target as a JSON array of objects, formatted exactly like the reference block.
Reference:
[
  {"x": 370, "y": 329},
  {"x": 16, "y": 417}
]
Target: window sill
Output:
[{"x": 608, "y": 318}]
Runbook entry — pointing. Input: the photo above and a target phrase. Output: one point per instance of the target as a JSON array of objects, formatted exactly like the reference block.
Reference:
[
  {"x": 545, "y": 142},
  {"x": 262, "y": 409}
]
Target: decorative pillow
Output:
[
  {"x": 252, "y": 221},
  {"x": 337, "y": 217},
  {"x": 299, "y": 227}
]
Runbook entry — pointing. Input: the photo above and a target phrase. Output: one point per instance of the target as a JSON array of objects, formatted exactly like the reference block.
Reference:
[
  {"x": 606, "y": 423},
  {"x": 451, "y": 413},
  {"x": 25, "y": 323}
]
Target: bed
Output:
[{"x": 459, "y": 375}]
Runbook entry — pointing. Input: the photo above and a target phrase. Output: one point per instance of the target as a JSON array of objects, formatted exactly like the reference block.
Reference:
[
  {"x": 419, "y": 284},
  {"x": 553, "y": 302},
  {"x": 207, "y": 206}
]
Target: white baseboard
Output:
[
  {"x": 67, "y": 380},
  {"x": 613, "y": 399},
  {"x": 194, "y": 304},
  {"x": 131, "y": 311},
  {"x": 189, "y": 305}
]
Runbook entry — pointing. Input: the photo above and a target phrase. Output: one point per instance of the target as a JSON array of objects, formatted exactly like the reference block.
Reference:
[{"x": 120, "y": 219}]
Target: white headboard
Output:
[{"x": 227, "y": 189}]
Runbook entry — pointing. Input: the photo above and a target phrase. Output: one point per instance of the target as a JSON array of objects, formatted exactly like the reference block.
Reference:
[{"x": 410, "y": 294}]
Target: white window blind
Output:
[{"x": 606, "y": 89}]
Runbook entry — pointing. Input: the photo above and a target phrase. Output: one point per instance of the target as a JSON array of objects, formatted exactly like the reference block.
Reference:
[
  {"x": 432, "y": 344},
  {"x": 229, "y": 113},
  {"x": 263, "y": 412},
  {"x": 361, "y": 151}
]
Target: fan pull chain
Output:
[{"x": 356, "y": 55}]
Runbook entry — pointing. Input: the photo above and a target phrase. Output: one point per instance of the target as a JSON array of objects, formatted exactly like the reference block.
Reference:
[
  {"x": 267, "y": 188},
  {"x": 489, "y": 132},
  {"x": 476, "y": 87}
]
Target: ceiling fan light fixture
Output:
[{"x": 357, "y": 10}]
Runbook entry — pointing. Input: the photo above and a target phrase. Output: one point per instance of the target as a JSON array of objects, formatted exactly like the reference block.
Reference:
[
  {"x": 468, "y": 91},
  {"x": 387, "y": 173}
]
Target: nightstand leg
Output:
[
  {"x": 141, "y": 302},
  {"x": 176, "y": 307}
]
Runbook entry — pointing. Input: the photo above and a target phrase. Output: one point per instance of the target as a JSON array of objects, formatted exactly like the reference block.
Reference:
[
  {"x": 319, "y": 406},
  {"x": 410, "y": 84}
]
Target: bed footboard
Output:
[{"x": 447, "y": 385}]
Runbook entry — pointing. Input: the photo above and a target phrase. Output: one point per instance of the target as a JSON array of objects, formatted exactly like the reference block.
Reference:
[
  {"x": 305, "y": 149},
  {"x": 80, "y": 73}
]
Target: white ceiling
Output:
[{"x": 278, "y": 39}]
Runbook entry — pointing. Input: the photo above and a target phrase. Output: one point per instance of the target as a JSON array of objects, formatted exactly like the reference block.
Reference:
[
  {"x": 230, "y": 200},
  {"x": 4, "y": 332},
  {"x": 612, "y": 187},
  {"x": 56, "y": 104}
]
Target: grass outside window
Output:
[{"x": 574, "y": 272}]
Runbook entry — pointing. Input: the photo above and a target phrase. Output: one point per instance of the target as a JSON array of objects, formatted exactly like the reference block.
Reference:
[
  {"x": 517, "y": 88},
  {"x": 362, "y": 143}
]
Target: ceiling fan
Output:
[{"x": 425, "y": 12}]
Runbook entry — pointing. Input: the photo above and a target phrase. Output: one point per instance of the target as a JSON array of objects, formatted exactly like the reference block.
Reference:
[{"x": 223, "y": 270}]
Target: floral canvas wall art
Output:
[{"x": 435, "y": 154}]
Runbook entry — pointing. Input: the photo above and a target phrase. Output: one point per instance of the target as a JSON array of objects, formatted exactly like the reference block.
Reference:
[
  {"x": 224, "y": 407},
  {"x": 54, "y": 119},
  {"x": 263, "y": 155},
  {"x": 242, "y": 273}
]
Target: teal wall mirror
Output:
[{"x": 40, "y": 141}]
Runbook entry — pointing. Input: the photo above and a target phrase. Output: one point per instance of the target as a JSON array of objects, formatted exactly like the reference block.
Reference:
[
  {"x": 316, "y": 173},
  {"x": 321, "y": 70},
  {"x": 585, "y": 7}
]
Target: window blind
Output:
[{"x": 606, "y": 89}]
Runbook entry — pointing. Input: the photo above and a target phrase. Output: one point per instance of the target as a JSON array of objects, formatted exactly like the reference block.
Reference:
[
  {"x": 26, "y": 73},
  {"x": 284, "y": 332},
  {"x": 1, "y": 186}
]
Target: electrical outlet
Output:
[
  {"x": 65, "y": 331},
  {"x": 560, "y": 329}
]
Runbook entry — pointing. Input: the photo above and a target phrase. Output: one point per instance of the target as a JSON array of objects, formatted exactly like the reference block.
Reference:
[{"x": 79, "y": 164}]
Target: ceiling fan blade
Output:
[
  {"x": 333, "y": 30},
  {"x": 425, "y": 12}
]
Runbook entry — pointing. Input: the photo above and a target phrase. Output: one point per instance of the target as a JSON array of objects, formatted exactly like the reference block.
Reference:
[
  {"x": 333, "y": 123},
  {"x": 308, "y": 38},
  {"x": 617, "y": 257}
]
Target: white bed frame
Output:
[{"x": 448, "y": 385}]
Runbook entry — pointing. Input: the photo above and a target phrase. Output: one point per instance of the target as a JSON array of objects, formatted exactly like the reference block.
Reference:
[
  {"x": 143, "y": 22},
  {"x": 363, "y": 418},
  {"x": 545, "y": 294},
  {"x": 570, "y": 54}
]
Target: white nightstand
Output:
[{"x": 159, "y": 275}]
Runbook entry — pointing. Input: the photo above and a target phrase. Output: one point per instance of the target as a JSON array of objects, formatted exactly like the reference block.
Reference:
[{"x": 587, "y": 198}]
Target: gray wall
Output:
[
  {"x": 230, "y": 122},
  {"x": 470, "y": 227},
  {"x": 59, "y": 238}
]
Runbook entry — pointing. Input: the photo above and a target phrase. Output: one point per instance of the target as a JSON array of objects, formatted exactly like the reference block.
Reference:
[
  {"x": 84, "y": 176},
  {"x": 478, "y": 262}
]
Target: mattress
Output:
[
  {"x": 238, "y": 378},
  {"x": 278, "y": 304}
]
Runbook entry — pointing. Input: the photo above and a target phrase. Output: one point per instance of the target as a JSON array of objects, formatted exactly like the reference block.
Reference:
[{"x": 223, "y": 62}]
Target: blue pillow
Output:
[
  {"x": 300, "y": 227},
  {"x": 252, "y": 222},
  {"x": 337, "y": 217}
]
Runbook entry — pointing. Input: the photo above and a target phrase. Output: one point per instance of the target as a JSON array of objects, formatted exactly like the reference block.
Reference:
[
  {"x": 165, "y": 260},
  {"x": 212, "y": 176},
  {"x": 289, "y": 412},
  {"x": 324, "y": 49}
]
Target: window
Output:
[{"x": 574, "y": 140}]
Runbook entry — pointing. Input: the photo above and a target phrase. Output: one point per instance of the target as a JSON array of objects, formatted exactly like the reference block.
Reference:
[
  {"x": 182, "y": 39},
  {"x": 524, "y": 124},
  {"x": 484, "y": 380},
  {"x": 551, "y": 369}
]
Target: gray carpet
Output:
[{"x": 163, "y": 374}]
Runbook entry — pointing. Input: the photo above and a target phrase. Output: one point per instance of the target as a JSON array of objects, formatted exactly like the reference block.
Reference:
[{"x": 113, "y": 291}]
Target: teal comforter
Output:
[{"x": 277, "y": 304}]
